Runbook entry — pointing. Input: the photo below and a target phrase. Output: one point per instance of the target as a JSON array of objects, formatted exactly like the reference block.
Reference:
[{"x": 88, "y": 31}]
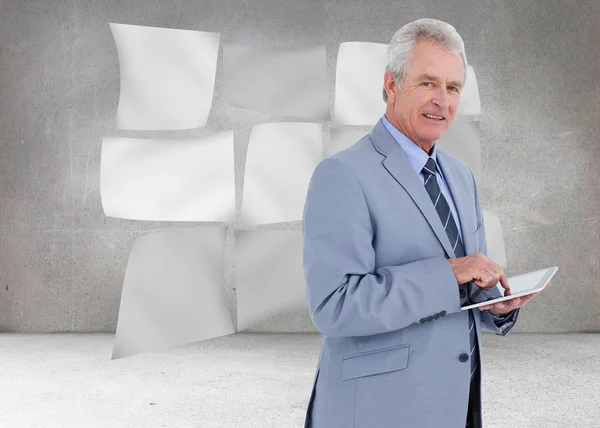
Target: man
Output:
[{"x": 393, "y": 245}]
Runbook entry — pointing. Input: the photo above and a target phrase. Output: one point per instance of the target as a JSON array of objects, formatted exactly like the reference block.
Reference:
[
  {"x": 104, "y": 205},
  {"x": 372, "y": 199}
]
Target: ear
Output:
[{"x": 389, "y": 84}]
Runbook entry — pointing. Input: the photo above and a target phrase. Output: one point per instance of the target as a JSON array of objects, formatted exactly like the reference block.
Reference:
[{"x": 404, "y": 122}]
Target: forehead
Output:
[{"x": 428, "y": 58}]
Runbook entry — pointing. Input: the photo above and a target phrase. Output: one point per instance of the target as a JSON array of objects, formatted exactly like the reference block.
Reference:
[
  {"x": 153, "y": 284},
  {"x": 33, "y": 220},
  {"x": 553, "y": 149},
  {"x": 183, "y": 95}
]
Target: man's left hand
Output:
[{"x": 501, "y": 308}]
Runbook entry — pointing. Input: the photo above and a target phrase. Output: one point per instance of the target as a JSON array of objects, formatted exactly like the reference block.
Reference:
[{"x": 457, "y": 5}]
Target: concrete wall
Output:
[{"x": 62, "y": 261}]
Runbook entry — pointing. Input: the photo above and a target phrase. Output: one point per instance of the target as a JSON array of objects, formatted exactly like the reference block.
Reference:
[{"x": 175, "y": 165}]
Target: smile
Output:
[
  {"x": 431, "y": 116},
  {"x": 434, "y": 120}
]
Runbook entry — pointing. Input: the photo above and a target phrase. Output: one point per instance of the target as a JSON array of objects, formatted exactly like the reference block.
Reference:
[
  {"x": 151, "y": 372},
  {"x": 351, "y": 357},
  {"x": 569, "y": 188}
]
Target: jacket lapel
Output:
[{"x": 399, "y": 167}]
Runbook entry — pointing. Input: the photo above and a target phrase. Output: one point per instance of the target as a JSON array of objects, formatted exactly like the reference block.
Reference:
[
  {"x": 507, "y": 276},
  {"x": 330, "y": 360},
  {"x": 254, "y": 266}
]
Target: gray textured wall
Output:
[{"x": 62, "y": 261}]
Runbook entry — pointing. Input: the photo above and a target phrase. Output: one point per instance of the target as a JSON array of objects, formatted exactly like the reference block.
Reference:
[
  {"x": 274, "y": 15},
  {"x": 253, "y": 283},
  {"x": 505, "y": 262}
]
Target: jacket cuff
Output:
[{"x": 506, "y": 323}]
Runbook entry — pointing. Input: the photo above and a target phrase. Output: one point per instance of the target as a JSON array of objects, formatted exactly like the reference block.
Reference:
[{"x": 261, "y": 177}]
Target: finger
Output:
[
  {"x": 504, "y": 283},
  {"x": 500, "y": 307},
  {"x": 509, "y": 305},
  {"x": 500, "y": 310},
  {"x": 485, "y": 279},
  {"x": 528, "y": 297}
]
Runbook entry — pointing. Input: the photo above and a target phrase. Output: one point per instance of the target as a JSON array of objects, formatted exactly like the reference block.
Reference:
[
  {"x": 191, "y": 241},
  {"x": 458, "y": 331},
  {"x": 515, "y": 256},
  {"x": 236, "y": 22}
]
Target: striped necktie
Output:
[{"x": 443, "y": 209}]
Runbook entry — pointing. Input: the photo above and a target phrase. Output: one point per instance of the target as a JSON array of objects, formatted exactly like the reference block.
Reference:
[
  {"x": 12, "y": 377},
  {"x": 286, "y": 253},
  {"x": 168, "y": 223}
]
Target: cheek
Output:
[
  {"x": 454, "y": 104},
  {"x": 422, "y": 103}
]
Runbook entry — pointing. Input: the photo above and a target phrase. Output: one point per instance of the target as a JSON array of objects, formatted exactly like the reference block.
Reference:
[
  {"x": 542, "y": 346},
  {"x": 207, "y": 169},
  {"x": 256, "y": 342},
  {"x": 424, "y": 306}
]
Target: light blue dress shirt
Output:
[{"x": 418, "y": 158}]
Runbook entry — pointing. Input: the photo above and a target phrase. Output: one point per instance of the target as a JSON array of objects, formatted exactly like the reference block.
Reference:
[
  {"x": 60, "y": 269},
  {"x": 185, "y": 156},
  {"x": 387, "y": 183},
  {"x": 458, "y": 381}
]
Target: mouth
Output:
[{"x": 434, "y": 118}]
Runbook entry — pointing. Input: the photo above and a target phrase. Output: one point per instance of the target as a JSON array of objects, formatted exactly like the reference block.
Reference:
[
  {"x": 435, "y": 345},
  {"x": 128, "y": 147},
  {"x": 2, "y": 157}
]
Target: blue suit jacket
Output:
[{"x": 381, "y": 290}]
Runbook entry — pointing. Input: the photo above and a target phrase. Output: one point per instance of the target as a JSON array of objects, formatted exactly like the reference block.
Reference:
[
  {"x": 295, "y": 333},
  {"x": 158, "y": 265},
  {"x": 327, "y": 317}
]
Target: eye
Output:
[
  {"x": 426, "y": 83},
  {"x": 453, "y": 88}
]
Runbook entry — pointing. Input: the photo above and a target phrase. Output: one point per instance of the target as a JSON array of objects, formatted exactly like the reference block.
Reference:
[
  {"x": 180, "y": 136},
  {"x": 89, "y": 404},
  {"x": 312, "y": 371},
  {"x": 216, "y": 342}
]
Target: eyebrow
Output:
[{"x": 426, "y": 76}]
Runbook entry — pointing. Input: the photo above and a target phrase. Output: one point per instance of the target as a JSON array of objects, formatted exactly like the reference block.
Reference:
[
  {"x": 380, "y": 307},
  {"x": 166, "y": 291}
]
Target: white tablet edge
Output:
[{"x": 544, "y": 281}]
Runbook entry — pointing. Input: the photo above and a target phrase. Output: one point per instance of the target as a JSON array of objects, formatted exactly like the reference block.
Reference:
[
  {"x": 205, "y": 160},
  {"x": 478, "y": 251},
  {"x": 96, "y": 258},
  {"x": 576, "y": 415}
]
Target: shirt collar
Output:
[{"x": 415, "y": 154}]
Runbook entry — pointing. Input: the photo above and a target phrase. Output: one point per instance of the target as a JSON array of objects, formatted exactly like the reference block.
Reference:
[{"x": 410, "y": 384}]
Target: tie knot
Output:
[{"x": 429, "y": 167}]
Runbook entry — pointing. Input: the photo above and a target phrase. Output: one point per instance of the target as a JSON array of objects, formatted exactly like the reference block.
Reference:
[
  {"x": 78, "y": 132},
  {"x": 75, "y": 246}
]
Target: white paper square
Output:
[
  {"x": 359, "y": 83},
  {"x": 494, "y": 238},
  {"x": 462, "y": 141},
  {"x": 173, "y": 291},
  {"x": 269, "y": 275},
  {"x": 470, "y": 104},
  {"x": 167, "y": 76},
  {"x": 280, "y": 161},
  {"x": 290, "y": 82},
  {"x": 189, "y": 179},
  {"x": 342, "y": 138}
]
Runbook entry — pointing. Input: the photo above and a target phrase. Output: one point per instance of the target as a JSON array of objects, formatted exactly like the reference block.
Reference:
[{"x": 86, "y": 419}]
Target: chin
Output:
[{"x": 431, "y": 138}]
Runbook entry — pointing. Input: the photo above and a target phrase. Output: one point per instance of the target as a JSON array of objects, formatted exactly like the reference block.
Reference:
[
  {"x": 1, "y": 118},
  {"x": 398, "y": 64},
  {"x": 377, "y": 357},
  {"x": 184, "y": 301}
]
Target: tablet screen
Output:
[{"x": 525, "y": 281}]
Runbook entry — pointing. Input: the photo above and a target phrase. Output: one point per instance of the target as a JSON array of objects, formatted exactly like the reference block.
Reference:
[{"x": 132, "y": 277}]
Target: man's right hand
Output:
[{"x": 482, "y": 271}]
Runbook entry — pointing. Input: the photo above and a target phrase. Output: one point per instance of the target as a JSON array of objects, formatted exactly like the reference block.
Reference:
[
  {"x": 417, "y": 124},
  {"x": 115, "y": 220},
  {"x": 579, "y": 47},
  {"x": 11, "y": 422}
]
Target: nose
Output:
[{"x": 441, "y": 97}]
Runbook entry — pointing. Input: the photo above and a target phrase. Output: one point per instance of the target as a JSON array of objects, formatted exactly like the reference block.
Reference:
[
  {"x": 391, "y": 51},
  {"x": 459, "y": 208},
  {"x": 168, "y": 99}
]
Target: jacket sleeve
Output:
[
  {"x": 500, "y": 328},
  {"x": 346, "y": 294}
]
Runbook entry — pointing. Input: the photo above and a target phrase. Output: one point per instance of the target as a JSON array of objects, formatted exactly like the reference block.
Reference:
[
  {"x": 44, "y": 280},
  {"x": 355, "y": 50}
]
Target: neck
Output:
[{"x": 426, "y": 146}]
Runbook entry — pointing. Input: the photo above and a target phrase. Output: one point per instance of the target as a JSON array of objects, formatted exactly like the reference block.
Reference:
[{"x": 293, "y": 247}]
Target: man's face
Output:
[{"x": 432, "y": 85}]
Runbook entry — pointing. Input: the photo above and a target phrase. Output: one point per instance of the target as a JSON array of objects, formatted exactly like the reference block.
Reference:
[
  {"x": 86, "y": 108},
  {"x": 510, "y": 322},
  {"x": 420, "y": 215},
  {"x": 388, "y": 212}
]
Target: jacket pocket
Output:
[{"x": 375, "y": 362}]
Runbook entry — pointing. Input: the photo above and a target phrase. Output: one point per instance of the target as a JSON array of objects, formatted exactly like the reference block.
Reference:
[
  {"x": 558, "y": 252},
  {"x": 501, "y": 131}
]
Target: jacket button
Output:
[
  {"x": 464, "y": 357},
  {"x": 462, "y": 293},
  {"x": 423, "y": 320},
  {"x": 436, "y": 316},
  {"x": 429, "y": 318},
  {"x": 442, "y": 313}
]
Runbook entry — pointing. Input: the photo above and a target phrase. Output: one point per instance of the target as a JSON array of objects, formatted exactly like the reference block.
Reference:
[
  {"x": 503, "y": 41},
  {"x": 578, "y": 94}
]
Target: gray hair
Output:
[{"x": 400, "y": 48}]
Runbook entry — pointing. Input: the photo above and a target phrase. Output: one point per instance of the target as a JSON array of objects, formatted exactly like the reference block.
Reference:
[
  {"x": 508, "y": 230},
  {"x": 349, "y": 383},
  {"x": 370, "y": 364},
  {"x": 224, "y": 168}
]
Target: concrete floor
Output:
[{"x": 264, "y": 380}]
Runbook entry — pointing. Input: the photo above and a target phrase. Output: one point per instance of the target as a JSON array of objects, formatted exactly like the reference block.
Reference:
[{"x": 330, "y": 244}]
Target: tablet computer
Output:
[{"x": 521, "y": 285}]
